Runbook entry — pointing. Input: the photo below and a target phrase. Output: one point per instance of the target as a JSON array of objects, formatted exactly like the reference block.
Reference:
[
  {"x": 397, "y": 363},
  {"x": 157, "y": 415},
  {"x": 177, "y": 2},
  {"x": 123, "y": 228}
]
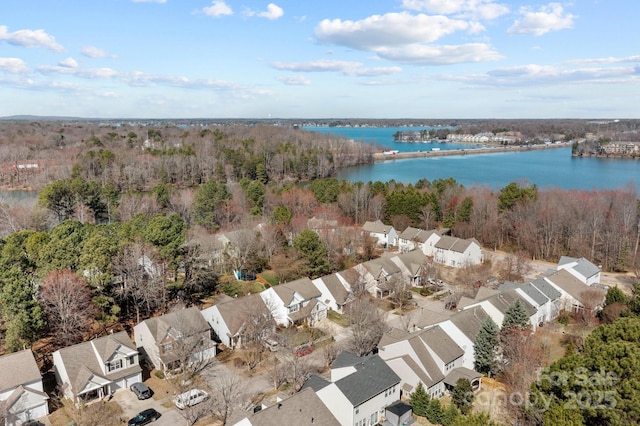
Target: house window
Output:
[
  {"x": 294, "y": 308},
  {"x": 114, "y": 365},
  {"x": 132, "y": 360},
  {"x": 167, "y": 347}
]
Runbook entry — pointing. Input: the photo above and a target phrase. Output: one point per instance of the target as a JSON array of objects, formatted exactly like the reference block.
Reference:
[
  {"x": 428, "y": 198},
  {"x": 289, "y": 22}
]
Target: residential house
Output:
[
  {"x": 496, "y": 306},
  {"x": 457, "y": 252},
  {"x": 171, "y": 339},
  {"x": 336, "y": 294},
  {"x": 231, "y": 318},
  {"x": 97, "y": 368},
  {"x": 380, "y": 275},
  {"x": 545, "y": 307},
  {"x": 302, "y": 408},
  {"x": 575, "y": 294},
  {"x": 427, "y": 357},
  {"x": 385, "y": 235},
  {"x": 22, "y": 395},
  {"x": 463, "y": 327},
  {"x": 581, "y": 268},
  {"x": 414, "y": 238},
  {"x": 360, "y": 389},
  {"x": 295, "y": 302},
  {"x": 413, "y": 266}
]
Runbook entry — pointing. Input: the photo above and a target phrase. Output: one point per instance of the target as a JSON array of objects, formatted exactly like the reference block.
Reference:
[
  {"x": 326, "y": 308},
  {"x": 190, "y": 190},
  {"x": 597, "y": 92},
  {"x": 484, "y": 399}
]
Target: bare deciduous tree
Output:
[
  {"x": 66, "y": 299},
  {"x": 367, "y": 324}
]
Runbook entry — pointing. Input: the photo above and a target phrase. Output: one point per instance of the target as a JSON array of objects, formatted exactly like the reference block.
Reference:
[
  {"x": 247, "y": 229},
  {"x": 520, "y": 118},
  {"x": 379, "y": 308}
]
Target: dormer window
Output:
[
  {"x": 114, "y": 365},
  {"x": 294, "y": 308},
  {"x": 167, "y": 347}
]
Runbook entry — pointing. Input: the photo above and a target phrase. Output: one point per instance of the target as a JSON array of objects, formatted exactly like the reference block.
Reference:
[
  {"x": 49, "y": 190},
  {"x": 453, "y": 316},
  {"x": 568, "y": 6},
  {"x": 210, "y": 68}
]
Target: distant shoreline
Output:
[{"x": 381, "y": 156}]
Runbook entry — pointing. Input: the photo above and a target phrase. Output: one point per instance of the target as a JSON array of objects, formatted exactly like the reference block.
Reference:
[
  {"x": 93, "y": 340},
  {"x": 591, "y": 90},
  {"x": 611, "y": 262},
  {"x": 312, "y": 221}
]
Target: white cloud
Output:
[
  {"x": 551, "y": 17},
  {"x": 273, "y": 12},
  {"x": 68, "y": 63},
  {"x": 344, "y": 67},
  {"x": 13, "y": 65},
  {"x": 609, "y": 60},
  {"x": 29, "y": 38},
  {"x": 294, "y": 80},
  {"x": 95, "y": 52},
  {"x": 391, "y": 29},
  {"x": 478, "y": 9},
  {"x": 218, "y": 8},
  {"x": 440, "y": 55}
]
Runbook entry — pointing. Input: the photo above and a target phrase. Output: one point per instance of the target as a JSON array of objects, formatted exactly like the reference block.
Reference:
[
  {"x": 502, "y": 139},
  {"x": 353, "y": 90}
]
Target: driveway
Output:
[{"x": 132, "y": 406}]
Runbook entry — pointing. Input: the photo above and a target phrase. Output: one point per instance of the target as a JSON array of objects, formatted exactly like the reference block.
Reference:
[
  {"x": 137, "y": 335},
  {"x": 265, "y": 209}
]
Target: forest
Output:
[{"x": 111, "y": 195}]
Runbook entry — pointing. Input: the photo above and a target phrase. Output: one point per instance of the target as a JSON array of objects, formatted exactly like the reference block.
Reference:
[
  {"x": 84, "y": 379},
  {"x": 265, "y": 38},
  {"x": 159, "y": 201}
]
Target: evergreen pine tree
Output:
[
  {"x": 420, "y": 400},
  {"x": 462, "y": 395},
  {"x": 516, "y": 316},
  {"x": 485, "y": 347}
]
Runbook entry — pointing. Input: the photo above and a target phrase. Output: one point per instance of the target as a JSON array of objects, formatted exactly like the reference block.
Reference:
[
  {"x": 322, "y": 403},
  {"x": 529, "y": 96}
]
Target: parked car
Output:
[
  {"x": 144, "y": 417},
  {"x": 304, "y": 350},
  {"x": 190, "y": 398},
  {"x": 141, "y": 390}
]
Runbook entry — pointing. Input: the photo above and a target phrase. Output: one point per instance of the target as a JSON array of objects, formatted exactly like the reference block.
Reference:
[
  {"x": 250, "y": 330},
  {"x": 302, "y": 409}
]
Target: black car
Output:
[
  {"x": 144, "y": 417},
  {"x": 141, "y": 390}
]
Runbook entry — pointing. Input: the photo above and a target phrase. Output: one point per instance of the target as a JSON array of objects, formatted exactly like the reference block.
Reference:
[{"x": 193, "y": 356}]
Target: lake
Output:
[{"x": 546, "y": 168}]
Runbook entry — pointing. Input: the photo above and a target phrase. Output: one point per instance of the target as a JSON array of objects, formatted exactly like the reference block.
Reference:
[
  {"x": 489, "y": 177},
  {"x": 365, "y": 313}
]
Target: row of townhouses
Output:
[{"x": 434, "y": 350}]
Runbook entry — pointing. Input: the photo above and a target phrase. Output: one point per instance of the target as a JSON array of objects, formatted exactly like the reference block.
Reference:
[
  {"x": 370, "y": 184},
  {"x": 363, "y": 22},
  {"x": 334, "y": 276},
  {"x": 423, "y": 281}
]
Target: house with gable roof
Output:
[
  {"x": 164, "y": 339},
  {"x": 97, "y": 368},
  {"x": 230, "y": 318},
  {"x": 427, "y": 356},
  {"x": 335, "y": 292},
  {"x": 378, "y": 275},
  {"x": 412, "y": 266},
  {"x": 359, "y": 390},
  {"x": 576, "y": 295},
  {"x": 457, "y": 252},
  {"x": 497, "y": 305},
  {"x": 295, "y": 302},
  {"x": 302, "y": 408},
  {"x": 540, "y": 294},
  {"x": 581, "y": 268},
  {"x": 385, "y": 235},
  {"x": 414, "y": 238},
  {"x": 22, "y": 393}
]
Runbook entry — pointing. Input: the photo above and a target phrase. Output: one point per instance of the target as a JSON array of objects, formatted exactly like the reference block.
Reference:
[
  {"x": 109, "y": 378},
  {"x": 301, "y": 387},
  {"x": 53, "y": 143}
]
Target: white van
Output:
[{"x": 190, "y": 398}]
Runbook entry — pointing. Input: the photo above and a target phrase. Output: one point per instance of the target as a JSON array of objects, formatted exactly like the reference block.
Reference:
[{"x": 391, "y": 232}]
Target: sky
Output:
[{"x": 307, "y": 59}]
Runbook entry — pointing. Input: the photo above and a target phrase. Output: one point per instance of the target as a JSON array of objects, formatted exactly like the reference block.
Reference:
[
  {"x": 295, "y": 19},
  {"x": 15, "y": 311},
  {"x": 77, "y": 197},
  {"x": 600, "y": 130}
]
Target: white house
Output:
[
  {"x": 413, "y": 266},
  {"x": 229, "y": 317},
  {"x": 386, "y": 235},
  {"x": 575, "y": 294},
  {"x": 360, "y": 389},
  {"x": 457, "y": 252},
  {"x": 497, "y": 305},
  {"x": 581, "y": 268},
  {"x": 22, "y": 394},
  {"x": 378, "y": 275},
  {"x": 295, "y": 302},
  {"x": 97, "y": 368},
  {"x": 415, "y": 238},
  {"x": 166, "y": 339},
  {"x": 335, "y": 293}
]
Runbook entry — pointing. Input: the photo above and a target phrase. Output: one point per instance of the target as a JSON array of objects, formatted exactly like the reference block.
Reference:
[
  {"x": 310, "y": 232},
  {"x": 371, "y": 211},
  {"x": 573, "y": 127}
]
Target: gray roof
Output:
[
  {"x": 547, "y": 289},
  {"x": 336, "y": 288},
  {"x": 81, "y": 363},
  {"x": 461, "y": 373},
  {"x": 440, "y": 343},
  {"x": 372, "y": 377},
  {"x": 236, "y": 312},
  {"x": 528, "y": 289},
  {"x": 454, "y": 244},
  {"x": 303, "y": 408},
  {"x": 303, "y": 286},
  {"x": 376, "y": 266},
  {"x": 503, "y": 301},
  {"x": 351, "y": 276},
  {"x": 377, "y": 227},
  {"x": 316, "y": 383},
  {"x": 184, "y": 322},
  {"x": 583, "y": 266},
  {"x": 18, "y": 368},
  {"x": 393, "y": 336},
  {"x": 413, "y": 260},
  {"x": 573, "y": 286},
  {"x": 409, "y": 233},
  {"x": 418, "y": 235},
  {"x": 469, "y": 321}
]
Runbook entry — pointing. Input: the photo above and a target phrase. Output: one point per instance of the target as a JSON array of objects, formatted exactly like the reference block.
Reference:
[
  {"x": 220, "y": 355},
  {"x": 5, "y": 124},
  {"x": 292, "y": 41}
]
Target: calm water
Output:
[{"x": 545, "y": 168}]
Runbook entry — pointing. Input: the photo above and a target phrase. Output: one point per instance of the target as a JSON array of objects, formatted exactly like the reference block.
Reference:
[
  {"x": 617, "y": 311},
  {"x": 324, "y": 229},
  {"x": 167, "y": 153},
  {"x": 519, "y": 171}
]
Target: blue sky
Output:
[{"x": 320, "y": 59}]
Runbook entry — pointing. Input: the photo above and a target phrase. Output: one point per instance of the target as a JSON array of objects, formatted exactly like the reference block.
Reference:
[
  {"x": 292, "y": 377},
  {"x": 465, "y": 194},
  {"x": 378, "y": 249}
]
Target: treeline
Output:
[{"x": 136, "y": 158}]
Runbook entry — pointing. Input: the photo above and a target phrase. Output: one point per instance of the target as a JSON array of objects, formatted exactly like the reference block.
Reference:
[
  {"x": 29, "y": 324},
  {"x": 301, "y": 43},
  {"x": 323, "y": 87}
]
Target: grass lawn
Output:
[{"x": 341, "y": 320}]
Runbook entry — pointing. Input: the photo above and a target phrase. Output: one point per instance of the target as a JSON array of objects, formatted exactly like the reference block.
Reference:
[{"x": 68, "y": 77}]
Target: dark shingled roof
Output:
[
  {"x": 303, "y": 408},
  {"x": 372, "y": 377},
  {"x": 18, "y": 368}
]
